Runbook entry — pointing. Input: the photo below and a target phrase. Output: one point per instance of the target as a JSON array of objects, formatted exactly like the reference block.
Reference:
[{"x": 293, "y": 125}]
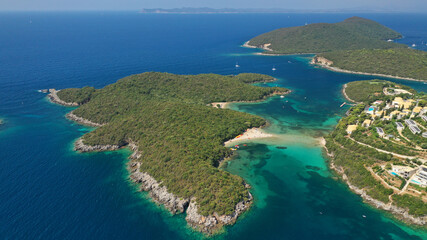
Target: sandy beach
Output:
[
  {"x": 220, "y": 104},
  {"x": 250, "y": 134}
]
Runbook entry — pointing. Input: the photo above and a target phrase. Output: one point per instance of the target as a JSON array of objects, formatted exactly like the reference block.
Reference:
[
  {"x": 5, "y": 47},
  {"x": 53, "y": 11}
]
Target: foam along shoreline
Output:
[
  {"x": 335, "y": 69},
  {"x": 53, "y": 96},
  {"x": 250, "y": 134}
]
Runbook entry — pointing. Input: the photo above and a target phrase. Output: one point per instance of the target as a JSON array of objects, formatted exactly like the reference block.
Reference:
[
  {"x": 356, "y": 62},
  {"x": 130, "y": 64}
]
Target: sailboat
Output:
[{"x": 237, "y": 65}]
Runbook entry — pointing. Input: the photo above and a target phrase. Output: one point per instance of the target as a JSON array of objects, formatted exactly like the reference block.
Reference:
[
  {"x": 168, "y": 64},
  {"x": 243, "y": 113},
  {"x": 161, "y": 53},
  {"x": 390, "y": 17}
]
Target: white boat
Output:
[
  {"x": 389, "y": 40},
  {"x": 237, "y": 65},
  {"x": 274, "y": 69},
  {"x": 413, "y": 45},
  {"x": 281, "y": 96}
]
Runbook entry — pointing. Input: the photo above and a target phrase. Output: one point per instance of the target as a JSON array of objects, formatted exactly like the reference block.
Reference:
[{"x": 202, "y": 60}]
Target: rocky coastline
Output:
[
  {"x": 83, "y": 121},
  {"x": 398, "y": 212},
  {"x": 53, "y": 96},
  {"x": 207, "y": 224},
  {"x": 325, "y": 63}
]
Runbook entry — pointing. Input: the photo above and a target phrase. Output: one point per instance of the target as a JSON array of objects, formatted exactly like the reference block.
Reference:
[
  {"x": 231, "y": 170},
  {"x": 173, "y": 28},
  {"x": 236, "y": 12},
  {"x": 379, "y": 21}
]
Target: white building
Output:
[
  {"x": 380, "y": 131},
  {"x": 403, "y": 171},
  {"x": 399, "y": 126},
  {"x": 414, "y": 129},
  {"x": 421, "y": 177}
]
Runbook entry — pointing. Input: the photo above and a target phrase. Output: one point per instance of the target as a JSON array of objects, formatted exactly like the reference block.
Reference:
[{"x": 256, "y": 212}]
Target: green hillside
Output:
[
  {"x": 353, "y": 33},
  {"x": 179, "y": 136},
  {"x": 402, "y": 62},
  {"x": 370, "y": 90}
]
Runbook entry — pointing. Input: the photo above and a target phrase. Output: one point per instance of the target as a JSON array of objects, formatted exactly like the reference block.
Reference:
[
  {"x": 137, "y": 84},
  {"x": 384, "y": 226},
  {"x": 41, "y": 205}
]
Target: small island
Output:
[
  {"x": 176, "y": 135},
  {"x": 380, "y": 148},
  {"x": 355, "y": 45}
]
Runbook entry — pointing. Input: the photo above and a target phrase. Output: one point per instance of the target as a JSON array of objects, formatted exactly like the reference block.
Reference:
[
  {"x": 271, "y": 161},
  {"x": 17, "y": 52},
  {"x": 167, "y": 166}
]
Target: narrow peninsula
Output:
[
  {"x": 380, "y": 148},
  {"x": 355, "y": 45},
  {"x": 176, "y": 135}
]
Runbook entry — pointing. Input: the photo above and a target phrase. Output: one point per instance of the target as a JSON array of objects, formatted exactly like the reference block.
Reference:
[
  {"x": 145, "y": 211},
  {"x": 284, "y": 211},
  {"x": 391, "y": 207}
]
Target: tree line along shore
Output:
[
  {"x": 177, "y": 137},
  {"x": 355, "y": 45}
]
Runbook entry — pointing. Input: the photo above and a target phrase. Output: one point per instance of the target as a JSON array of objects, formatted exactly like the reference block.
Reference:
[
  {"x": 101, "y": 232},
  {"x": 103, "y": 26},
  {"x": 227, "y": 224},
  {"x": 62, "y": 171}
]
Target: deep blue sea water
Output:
[{"x": 47, "y": 191}]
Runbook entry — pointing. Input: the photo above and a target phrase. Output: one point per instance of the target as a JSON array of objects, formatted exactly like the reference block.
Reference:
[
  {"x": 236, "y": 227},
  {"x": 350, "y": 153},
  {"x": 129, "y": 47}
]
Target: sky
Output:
[{"x": 135, "y": 5}]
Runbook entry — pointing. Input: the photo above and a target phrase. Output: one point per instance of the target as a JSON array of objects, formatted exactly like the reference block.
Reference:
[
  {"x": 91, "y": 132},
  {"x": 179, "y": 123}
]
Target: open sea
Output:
[{"x": 48, "y": 191}]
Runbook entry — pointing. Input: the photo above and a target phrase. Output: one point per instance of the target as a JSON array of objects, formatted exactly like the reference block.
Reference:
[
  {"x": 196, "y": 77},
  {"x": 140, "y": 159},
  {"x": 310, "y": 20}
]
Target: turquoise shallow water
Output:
[{"x": 47, "y": 191}]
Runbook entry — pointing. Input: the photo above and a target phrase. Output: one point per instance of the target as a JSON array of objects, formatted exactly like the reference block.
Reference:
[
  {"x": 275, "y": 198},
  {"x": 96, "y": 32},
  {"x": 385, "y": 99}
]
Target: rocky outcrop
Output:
[
  {"x": 214, "y": 222},
  {"x": 82, "y": 121},
  {"x": 81, "y": 147},
  {"x": 55, "y": 99},
  {"x": 159, "y": 193},
  {"x": 265, "y": 46},
  {"x": 321, "y": 61},
  {"x": 206, "y": 224}
]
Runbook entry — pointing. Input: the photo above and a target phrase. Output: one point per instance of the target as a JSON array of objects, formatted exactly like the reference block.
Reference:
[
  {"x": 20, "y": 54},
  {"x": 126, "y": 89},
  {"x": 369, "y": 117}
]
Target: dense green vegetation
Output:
[
  {"x": 353, "y": 157},
  {"x": 370, "y": 90},
  {"x": 180, "y": 138},
  {"x": 351, "y": 34},
  {"x": 415, "y": 205},
  {"x": 254, "y": 78},
  {"x": 356, "y": 159},
  {"x": 401, "y": 62},
  {"x": 77, "y": 95}
]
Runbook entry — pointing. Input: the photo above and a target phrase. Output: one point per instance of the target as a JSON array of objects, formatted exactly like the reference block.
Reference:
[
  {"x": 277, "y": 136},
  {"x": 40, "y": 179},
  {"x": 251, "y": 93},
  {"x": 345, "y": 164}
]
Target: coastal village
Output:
[{"x": 400, "y": 123}]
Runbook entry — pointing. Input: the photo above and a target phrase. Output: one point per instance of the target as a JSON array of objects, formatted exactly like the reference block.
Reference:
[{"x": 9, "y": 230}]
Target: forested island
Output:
[
  {"x": 379, "y": 149},
  {"x": 176, "y": 135},
  {"x": 355, "y": 45}
]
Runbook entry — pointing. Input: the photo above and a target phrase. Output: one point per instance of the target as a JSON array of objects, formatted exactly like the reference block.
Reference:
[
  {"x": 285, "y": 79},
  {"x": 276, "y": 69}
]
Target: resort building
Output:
[
  {"x": 387, "y": 118},
  {"x": 380, "y": 131},
  {"x": 389, "y": 136},
  {"x": 417, "y": 110},
  {"x": 403, "y": 171},
  {"x": 414, "y": 129},
  {"x": 399, "y": 102},
  {"x": 399, "y": 126},
  {"x": 421, "y": 177},
  {"x": 367, "y": 123},
  {"x": 351, "y": 128},
  {"x": 395, "y": 112},
  {"x": 409, "y": 122},
  {"x": 370, "y": 110},
  {"x": 424, "y": 117},
  {"x": 379, "y": 113},
  {"x": 378, "y": 102},
  {"x": 424, "y": 134}
]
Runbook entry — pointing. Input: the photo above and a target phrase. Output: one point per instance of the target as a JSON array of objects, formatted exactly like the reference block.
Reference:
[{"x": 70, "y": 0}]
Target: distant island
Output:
[
  {"x": 355, "y": 45},
  {"x": 206, "y": 10},
  {"x": 380, "y": 148},
  {"x": 177, "y": 137}
]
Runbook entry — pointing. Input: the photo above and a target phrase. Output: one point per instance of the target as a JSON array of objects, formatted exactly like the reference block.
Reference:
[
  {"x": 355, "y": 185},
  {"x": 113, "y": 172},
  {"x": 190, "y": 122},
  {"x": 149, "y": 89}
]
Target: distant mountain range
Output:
[{"x": 252, "y": 10}]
